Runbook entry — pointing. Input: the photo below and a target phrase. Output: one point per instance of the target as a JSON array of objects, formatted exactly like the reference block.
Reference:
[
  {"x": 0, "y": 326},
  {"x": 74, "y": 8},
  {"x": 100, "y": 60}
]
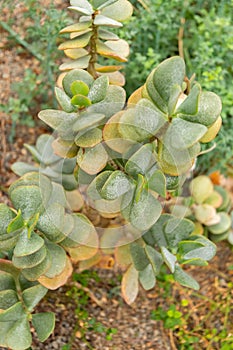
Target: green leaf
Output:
[
  {"x": 100, "y": 4},
  {"x": 141, "y": 160},
  {"x": 6, "y": 281},
  {"x": 141, "y": 122},
  {"x": 209, "y": 109},
  {"x": 116, "y": 185},
  {"x": 19, "y": 336},
  {"x": 89, "y": 138},
  {"x": 14, "y": 313},
  {"x": 8, "y": 298},
  {"x": 157, "y": 183},
  {"x": 190, "y": 104},
  {"x": 222, "y": 226},
  {"x": 169, "y": 73},
  {"x": 182, "y": 134},
  {"x": 177, "y": 230},
  {"x": 33, "y": 295},
  {"x": 149, "y": 91},
  {"x": 28, "y": 245},
  {"x": 94, "y": 189},
  {"x": 80, "y": 42},
  {"x": 76, "y": 74},
  {"x": 33, "y": 273},
  {"x": 99, "y": 89},
  {"x": 92, "y": 160},
  {"x": 101, "y": 20},
  {"x": 142, "y": 214},
  {"x": 78, "y": 87},
  {"x": 184, "y": 279},
  {"x": 175, "y": 94},
  {"x": 87, "y": 120},
  {"x": 155, "y": 259},
  {"x": 51, "y": 222},
  {"x": 107, "y": 35},
  {"x": 21, "y": 168},
  {"x": 16, "y": 224},
  {"x": 129, "y": 285},
  {"x": 4, "y": 329},
  {"x": 139, "y": 256},
  {"x": 147, "y": 278},
  {"x": 205, "y": 251},
  {"x": 76, "y": 27},
  {"x": 169, "y": 259},
  {"x": 44, "y": 324},
  {"x": 80, "y": 101},
  {"x": 58, "y": 259},
  {"x": 63, "y": 100},
  {"x": 6, "y": 216},
  {"x": 83, "y": 7},
  {"x": 201, "y": 188},
  {"x": 120, "y": 10},
  {"x": 58, "y": 120},
  {"x": 30, "y": 260},
  {"x": 75, "y": 54}
]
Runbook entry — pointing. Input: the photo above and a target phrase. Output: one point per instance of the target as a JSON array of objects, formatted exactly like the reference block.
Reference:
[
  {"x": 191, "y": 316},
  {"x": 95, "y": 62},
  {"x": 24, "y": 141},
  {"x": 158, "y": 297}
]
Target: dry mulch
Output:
[{"x": 135, "y": 328}]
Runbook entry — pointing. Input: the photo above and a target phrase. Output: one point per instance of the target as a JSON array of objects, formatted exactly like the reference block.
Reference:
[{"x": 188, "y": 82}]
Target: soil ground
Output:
[{"x": 205, "y": 314}]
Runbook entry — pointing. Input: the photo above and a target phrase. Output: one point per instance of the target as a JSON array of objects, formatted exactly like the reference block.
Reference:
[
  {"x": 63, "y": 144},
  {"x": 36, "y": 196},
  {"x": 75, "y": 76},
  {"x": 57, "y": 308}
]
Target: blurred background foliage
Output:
[{"x": 201, "y": 30}]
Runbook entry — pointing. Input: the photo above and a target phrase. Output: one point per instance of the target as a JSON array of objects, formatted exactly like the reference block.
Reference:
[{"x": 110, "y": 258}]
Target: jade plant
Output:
[{"x": 116, "y": 160}]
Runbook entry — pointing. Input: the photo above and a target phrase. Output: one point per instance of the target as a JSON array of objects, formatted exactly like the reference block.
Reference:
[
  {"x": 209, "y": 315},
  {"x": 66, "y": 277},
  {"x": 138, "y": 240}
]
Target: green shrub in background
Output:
[{"x": 207, "y": 45}]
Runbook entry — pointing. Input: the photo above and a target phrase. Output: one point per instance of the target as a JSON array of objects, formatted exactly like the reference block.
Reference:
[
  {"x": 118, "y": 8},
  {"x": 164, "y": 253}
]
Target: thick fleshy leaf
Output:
[
  {"x": 51, "y": 222},
  {"x": 44, "y": 324},
  {"x": 113, "y": 102},
  {"x": 199, "y": 248},
  {"x": 169, "y": 258},
  {"x": 157, "y": 183},
  {"x": 149, "y": 91},
  {"x": 58, "y": 260},
  {"x": 212, "y": 131},
  {"x": 108, "y": 209},
  {"x": 129, "y": 286},
  {"x": 80, "y": 63},
  {"x": 58, "y": 120},
  {"x": 74, "y": 200},
  {"x": 201, "y": 188},
  {"x": 107, "y": 35},
  {"x": 223, "y": 226},
  {"x": 33, "y": 295},
  {"x": 93, "y": 160},
  {"x": 204, "y": 213},
  {"x": 176, "y": 162},
  {"x": 107, "y": 69},
  {"x": 63, "y": 100},
  {"x": 6, "y": 281},
  {"x": 106, "y": 51},
  {"x": 44, "y": 147},
  {"x": 33, "y": 273},
  {"x": 139, "y": 256},
  {"x": 87, "y": 120},
  {"x": 100, "y": 4},
  {"x": 30, "y": 260},
  {"x": 141, "y": 213},
  {"x": 4, "y": 329},
  {"x": 176, "y": 230},
  {"x": 80, "y": 101},
  {"x": 8, "y": 298},
  {"x": 13, "y": 313},
  {"x": 122, "y": 254},
  {"x": 101, "y": 20},
  {"x": 141, "y": 160},
  {"x": 190, "y": 104},
  {"x": 99, "y": 89},
  {"x": 76, "y": 27},
  {"x": 6, "y": 216},
  {"x": 58, "y": 281},
  {"x": 225, "y": 196},
  {"x": 209, "y": 109},
  {"x": 116, "y": 185},
  {"x": 80, "y": 42},
  {"x": 184, "y": 279},
  {"x": 112, "y": 137},
  {"x": 147, "y": 277},
  {"x": 94, "y": 189},
  {"x": 79, "y": 87},
  {"x": 214, "y": 199},
  {"x": 75, "y": 53},
  {"x": 74, "y": 75},
  {"x": 120, "y": 10},
  {"x": 182, "y": 134},
  {"x": 19, "y": 336},
  {"x": 168, "y": 73},
  {"x": 120, "y": 46},
  {"x": 116, "y": 79},
  {"x": 141, "y": 122},
  {"x": 155, "y": 259},
  {"x": 16, "y": 224},
  {"x": 65, "y": 149},
  {"x": 21, "y": 168},
  {"x": 28, "y": 245},
  {"x": 82, "y": 253}
]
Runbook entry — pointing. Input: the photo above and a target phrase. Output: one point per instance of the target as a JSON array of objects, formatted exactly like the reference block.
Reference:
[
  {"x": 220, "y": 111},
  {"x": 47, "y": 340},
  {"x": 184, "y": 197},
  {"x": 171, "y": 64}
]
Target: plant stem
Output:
[
  {"x": 93, "y": 51},
  {"x": 20, "y": 41}
]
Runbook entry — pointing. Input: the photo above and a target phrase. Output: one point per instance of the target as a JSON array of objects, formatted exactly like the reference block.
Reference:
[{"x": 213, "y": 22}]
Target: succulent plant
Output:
[{"x": 121, "y": 160}]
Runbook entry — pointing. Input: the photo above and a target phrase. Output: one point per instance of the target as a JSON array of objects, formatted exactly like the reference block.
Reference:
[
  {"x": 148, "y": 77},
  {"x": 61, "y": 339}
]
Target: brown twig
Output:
[
  {"x": 172, "y": 342},
  {"x": 180, "y": 38},
  {"x": 100, "y": 303}
]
